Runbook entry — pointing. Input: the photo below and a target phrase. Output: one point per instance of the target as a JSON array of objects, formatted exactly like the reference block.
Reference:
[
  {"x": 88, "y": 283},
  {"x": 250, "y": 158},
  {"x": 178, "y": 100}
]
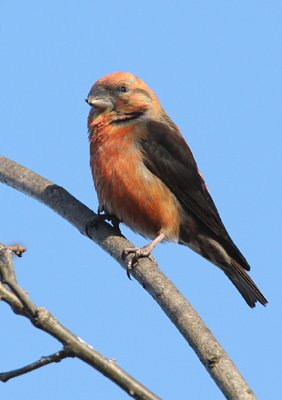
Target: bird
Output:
[{"x": 146, "y": 177}]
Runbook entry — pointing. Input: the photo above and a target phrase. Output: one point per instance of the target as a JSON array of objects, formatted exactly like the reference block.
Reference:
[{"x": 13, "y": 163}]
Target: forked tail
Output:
[{"x": 245, "y": 285}]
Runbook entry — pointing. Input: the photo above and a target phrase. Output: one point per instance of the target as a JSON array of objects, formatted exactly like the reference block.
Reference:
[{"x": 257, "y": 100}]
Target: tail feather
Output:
[
  {"x": 233, "y": 267},
  {"x": 245, "y": 285},
  {"x": 229, "y": 259}
]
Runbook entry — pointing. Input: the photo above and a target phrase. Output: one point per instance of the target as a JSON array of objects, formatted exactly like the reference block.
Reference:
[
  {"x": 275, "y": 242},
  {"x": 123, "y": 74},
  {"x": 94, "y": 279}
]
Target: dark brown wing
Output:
[{"x": 167, "y": 155}]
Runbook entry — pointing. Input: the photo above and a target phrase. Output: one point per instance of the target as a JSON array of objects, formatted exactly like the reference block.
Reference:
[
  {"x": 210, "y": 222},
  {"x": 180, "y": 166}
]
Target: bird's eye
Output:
[{"x": 122, "y": 88}]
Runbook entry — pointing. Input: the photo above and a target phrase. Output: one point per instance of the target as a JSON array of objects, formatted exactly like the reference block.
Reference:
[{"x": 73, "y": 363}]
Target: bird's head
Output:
[{"x": 123, "y": 96}]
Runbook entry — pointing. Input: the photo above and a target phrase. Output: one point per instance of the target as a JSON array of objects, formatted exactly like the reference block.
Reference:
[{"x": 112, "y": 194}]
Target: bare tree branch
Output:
[
  {"x": 177, "y": 308},
  {"x": 56, "y": 357},
  {"x": 8, "y": 297},
  {"x": 73, "y": 346}
]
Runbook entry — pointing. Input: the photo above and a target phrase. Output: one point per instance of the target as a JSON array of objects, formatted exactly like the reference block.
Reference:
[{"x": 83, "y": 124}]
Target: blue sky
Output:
[{"x": 216, "y": 67}]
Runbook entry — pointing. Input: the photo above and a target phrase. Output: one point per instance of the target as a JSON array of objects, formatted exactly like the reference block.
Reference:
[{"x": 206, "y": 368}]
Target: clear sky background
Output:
[{"x": 216, "y": 67}]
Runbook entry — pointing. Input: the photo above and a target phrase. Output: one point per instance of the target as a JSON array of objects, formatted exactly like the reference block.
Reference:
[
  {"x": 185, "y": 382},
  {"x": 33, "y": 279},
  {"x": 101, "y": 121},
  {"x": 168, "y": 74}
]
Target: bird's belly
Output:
[{"x": 127, "y": 189}]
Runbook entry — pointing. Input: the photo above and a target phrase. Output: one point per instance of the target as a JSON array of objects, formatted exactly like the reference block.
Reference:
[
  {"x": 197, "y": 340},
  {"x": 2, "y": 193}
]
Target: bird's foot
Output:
[
  {"x": 102, "y": 218},
  {"x": 138, "y": 252}
]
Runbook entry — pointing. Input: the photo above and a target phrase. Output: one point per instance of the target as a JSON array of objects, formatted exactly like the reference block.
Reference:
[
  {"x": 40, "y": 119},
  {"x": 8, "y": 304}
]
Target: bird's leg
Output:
[
  {"x": 102, "y": 218},
  {"x": 140, "y": 252},
  {"x": 112, "y": 219}
]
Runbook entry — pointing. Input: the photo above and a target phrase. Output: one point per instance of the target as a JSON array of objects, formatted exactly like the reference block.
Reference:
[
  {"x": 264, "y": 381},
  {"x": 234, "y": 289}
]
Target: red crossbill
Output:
[{"x": 145, "y": 176}]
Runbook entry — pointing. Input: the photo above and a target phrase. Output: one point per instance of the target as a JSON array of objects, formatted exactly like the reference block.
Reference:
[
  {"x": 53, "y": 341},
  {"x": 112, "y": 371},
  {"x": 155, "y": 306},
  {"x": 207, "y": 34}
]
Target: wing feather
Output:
[{"x": 167, "y": 155}]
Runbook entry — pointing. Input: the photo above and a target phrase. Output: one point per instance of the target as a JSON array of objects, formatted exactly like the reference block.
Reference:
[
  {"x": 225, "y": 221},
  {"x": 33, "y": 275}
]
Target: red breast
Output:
[{"x": 126, "y": 188}]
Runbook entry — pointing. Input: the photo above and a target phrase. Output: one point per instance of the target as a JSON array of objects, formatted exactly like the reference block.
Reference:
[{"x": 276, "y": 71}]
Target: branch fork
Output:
[{"x": 73, "y": 346}]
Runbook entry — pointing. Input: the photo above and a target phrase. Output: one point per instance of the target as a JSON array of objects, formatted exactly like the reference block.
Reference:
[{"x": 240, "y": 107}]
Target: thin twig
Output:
[
  {"x": 52, "y": 358},
  {"x": 8, "y": 277},
  {"x": 73, "y": 346},
  {"x": 177, "y": 308},
  {"x": 18, "y": 251},
  {"x": 8, "y": 297}
]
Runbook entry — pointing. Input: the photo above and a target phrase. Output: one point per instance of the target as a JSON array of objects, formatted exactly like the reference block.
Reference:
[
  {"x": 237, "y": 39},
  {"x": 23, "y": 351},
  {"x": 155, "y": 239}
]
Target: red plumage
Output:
[{"x": 146, "y": 176}]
